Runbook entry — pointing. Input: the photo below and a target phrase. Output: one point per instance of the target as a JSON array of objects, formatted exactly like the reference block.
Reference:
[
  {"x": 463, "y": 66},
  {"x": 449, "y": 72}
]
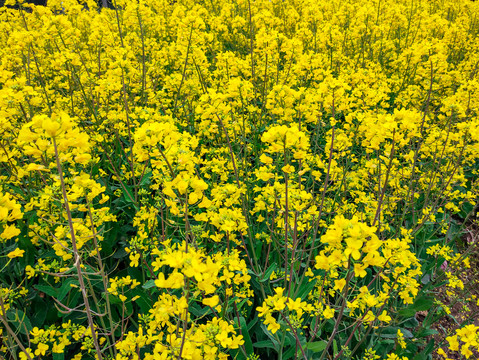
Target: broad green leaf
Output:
[
  {"x": 128, "y": 195},
  {"x": 65, "y": 288},
  {"x": 426, "y": 332},
  {"x": 391, "y": 332},
  {"x": 423, "y": 303},
  {"x": 148, "y": 284},
  {"x": 316, "y": 346},
  {"x": 47, "y": 290},
  {"x": 58, "y": 356},
  {"x": 305, "y": 288},
  {"x": 288, "y": 354},
  {"x": 20, "y": 321},
  {"x": 268, "y": 273},
  {"x": 410, "y": 323},
  {"x": 265, "y": 344},
  {"x": 248, "y": 344},
  {"x": 146, "y": 179}
]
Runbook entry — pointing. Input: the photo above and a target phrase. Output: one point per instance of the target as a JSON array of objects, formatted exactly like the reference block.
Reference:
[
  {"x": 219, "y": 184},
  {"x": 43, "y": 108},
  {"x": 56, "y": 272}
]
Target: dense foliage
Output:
[{"x": 245, "y": 179}]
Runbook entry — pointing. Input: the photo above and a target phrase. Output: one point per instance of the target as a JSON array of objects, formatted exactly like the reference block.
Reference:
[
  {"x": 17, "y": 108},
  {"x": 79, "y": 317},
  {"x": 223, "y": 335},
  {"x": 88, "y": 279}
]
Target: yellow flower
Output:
[
  {"x": 360, "y": 270},
  {"x": 58, "y": 348},
  {"x": 29, "y": 271},
  {"x": 51, "y": 126},
  {"x": 288, "y": 169},
  {"x": 9, "y": 232},
  {"x": 265, "y": 159},
  {"x": 273, "y": 326},
  {"x": 384, "y": 317},
  {"x": 441, "y": 352},
  {"x": 212, "y": 301},
  {"x": 16, "y": 253},
  {"x": 328, "y": 313},
  {"x": 400, "y": 339},
  {"x": 339, "y": 284},
  {"x": 134, "y": 258},
  {"x": 24, "y": 356},
  {"x": 42, "y": 349}
]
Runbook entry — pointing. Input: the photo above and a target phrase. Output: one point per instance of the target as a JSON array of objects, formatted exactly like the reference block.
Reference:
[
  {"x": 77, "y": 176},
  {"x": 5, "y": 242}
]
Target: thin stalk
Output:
[
  {"x": 143, "y": 62},
  {"x": 340, "y": 315},
  {"x": 76, "y": 254},
  {"x": 104, "y": 278},
  {"x": 183, "y": 335},
  {"x": 251, "y": 36},
  {"x": 298, "y": 343},
  {"x": 3, "y": 318},
  {"x": 383, "y": 190},
  {"x": 286, "y": 210},
  {"x": 183, "y": 75}
]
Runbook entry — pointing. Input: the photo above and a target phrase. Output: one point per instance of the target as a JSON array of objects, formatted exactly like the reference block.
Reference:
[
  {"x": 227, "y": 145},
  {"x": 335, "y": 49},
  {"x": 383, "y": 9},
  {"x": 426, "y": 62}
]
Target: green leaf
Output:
[
  {"x": 426, "y": 332},
  {"x": 20, "y": 320},
  {"x": 57, "y": 356},
  {"x": 407, "y": 312},
  {"x": 146, "y": 179},
  {"x": 265, "y": 344},
  {"x": 248, "y": 344},
  {"x": 128, "y": 196},
  {"x": 316, "y": 346},
  {"x": 252, "y": 323},
  {"x": 65, "y": 288},
  {"x": 41, "y": 309},
  {"x": 47, "y": 290},
  {"x": 423, "y": 303},
  {"x": 305, "y": 289},
  {"x": 144, "y": 300},
  {"x": 121, "y": 253},
  {"x": 289, "y": 353},
  {"x": 149, "y": 284},
  {"x": 272, "y": 339},
  {"x": 429, "y": 347},
  {"x": 258, "y": 247},
  {"x": 391, "y": 332},
  {"x": 198, "y": 311},
  {"x": 410, "y": 323},
  {"x": 426, "y": 279},
  {"x": 420, "y": 356},
  {"x": 268, "y": 273}
]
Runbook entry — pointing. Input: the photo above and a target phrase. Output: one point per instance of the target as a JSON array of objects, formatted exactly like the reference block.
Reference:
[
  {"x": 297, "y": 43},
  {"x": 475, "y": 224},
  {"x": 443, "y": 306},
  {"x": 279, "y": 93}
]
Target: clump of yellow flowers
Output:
[{"x": 236, "y": 179}]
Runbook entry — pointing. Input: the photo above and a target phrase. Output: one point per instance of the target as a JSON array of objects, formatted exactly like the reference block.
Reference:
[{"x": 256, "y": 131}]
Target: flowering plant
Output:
[{"x": 235, "y": 179}]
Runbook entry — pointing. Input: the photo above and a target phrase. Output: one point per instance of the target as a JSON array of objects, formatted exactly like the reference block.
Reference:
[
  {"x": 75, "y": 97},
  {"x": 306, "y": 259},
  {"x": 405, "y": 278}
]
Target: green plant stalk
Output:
[
  {"x": 251, "y": 39},
  {"x": 416, "y": 152},
  {"x": 325, "y": 187},
  {"x": 286, "y": 227},
  {"x": 298, "y": 343},
  {"x": 185, "y": 321},
  {"x": 242, "y": 347},
  {"x": 183, "y": 75},
  {"x": 255, "y": 260},
  {"x": 340, "y": 315},
  {"x": 143, "y": 59},
  {"x": 3, "y": 318},
  {"x": 104, "y": 278},
  {"x": 383, "y": 190},
  {"x": 76, "y": 254},
  {"x": 435, "y": 204}
]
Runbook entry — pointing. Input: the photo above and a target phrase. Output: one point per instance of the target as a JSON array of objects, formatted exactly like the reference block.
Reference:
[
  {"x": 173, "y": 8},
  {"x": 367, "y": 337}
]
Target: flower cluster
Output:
[{"x": 234, "y": 179}]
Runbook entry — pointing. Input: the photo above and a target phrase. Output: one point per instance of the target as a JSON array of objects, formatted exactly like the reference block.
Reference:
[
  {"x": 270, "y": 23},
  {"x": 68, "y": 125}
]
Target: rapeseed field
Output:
[{"x": 247, "y": 179}]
